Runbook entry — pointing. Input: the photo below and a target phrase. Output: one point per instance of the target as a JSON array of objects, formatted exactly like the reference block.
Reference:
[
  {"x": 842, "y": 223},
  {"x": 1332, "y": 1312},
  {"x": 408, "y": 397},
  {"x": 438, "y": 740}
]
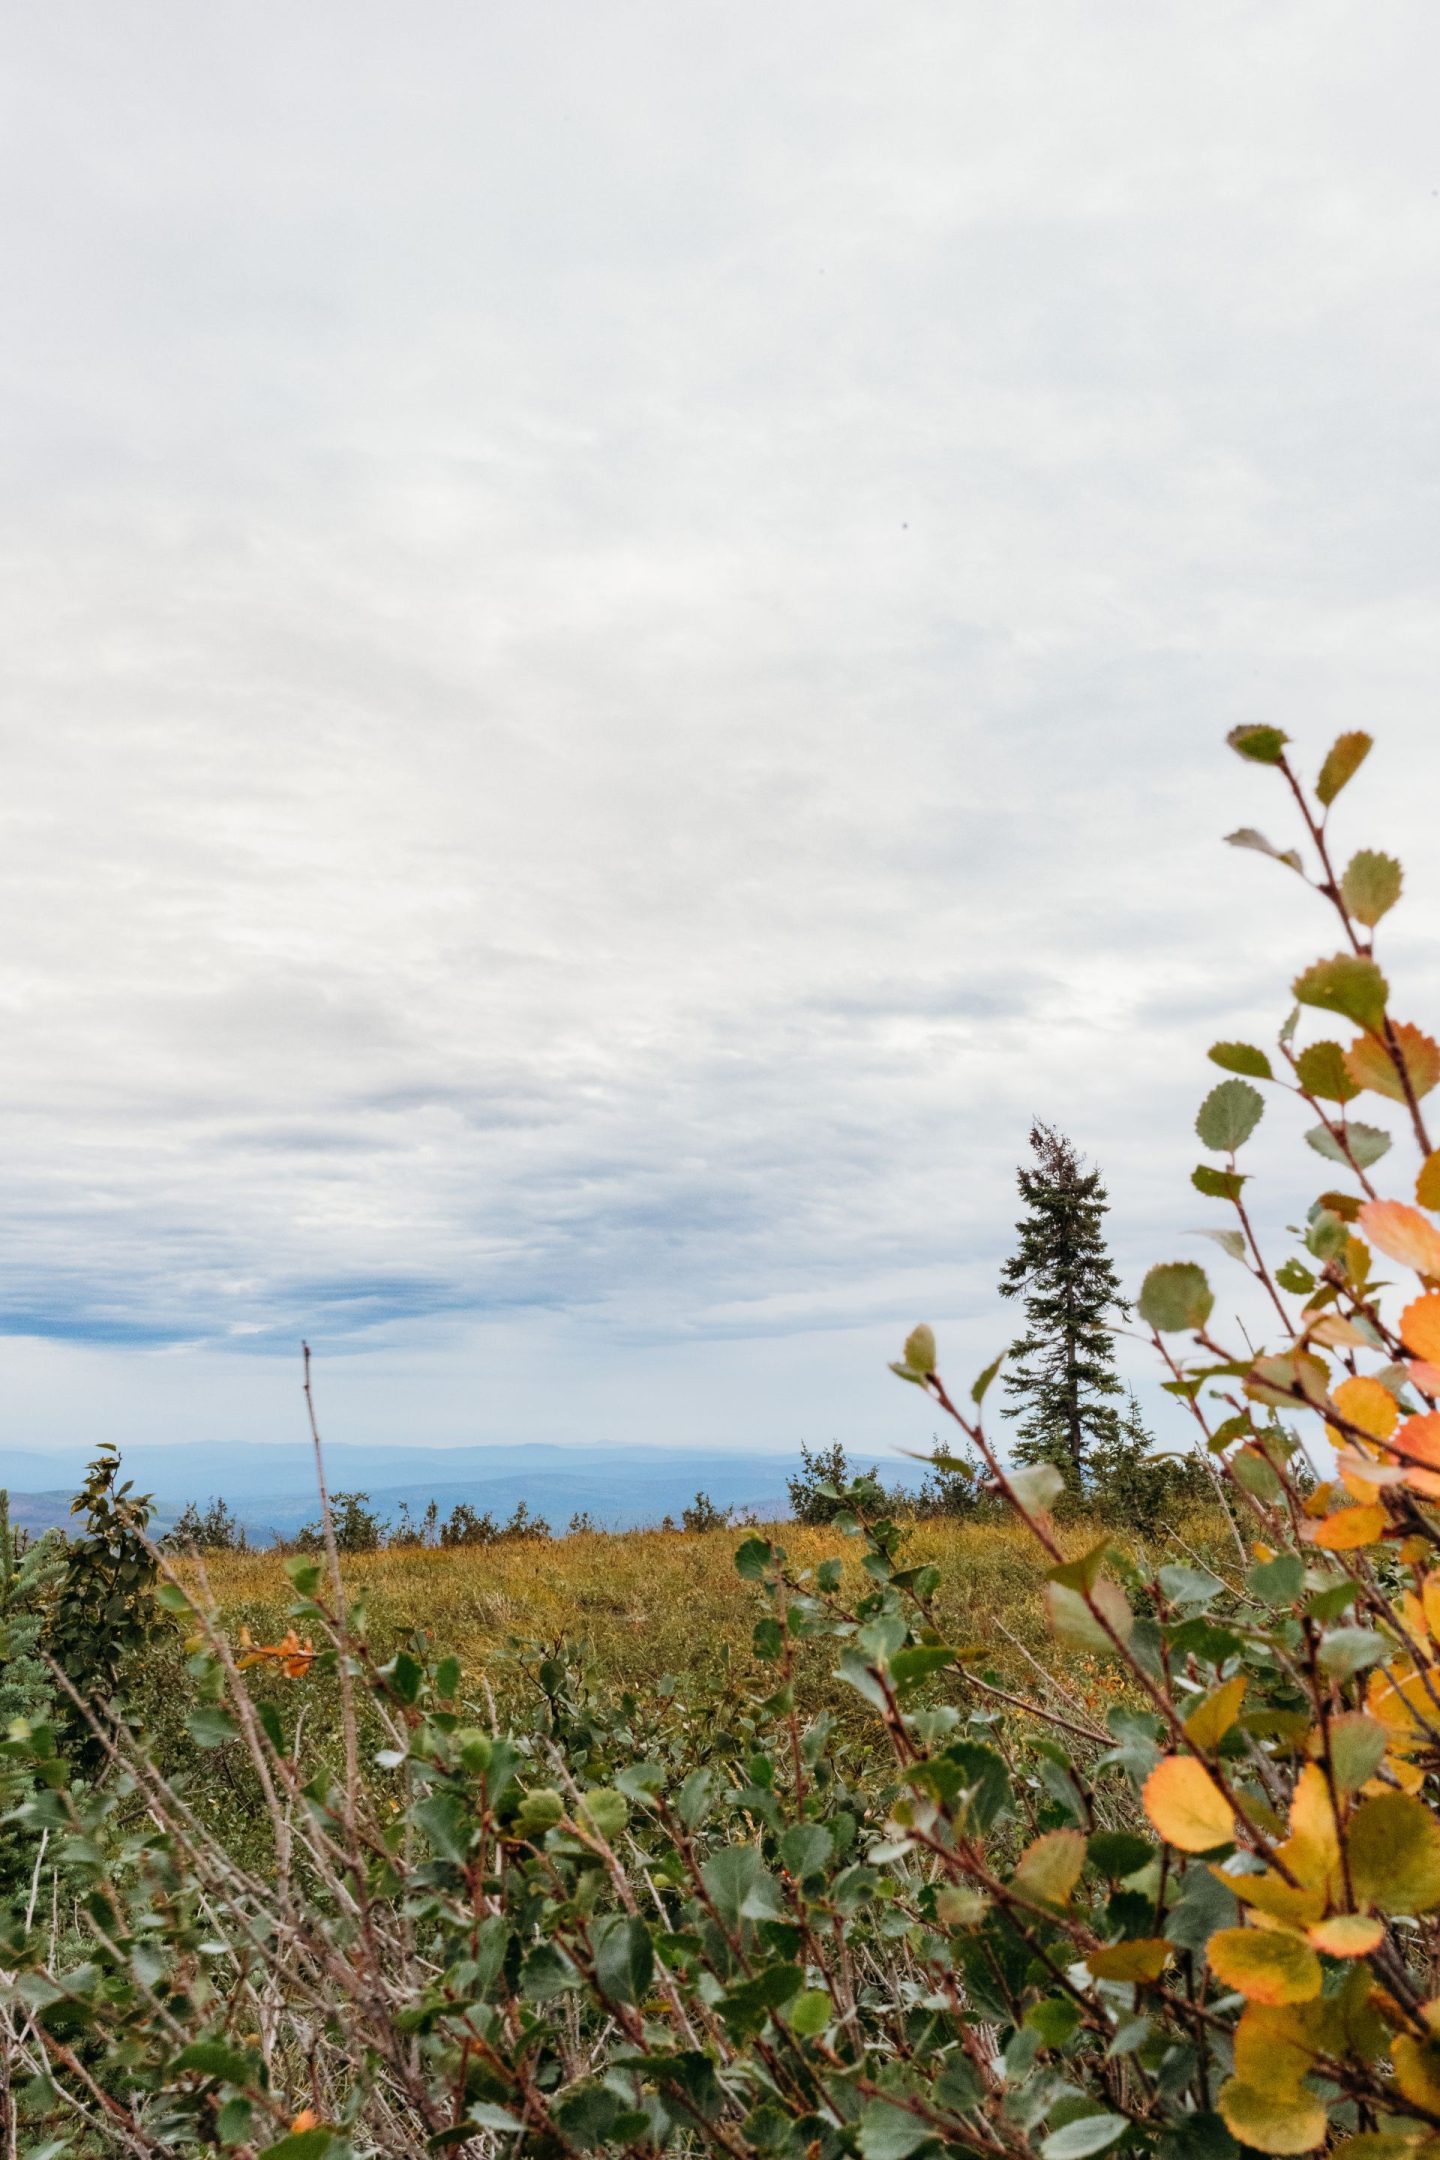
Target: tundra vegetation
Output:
[{"x": 1164, "y": 1880}]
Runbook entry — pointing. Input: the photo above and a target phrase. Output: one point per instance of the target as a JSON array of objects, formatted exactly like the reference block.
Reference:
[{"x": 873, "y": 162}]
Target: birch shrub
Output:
[{"x": 956, "y": 1918}]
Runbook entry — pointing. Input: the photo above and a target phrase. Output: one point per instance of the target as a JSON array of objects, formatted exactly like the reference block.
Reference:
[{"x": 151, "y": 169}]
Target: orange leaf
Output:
[
  {"x": 1402, "y": 1233},
  {"x": 307, "y": 2119},
  {"x": 1427, "y": 1185},
  {"x": 1370, "y": 1065},
  {"x": 1265, "y": 1965},
  {"x": 1417, "y": 1446},
  {"x": 1420, "y": 1328},
  {"x": 1350, "y": 1528},
  {"x": 1347, "y": 1935},
  {"x": 1186, "y": 1806}
]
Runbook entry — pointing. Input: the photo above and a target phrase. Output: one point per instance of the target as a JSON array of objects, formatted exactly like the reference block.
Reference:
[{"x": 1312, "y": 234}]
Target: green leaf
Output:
[
  {"x": 1038, "y": 1487},
  {"x": 977, "y": 1392},
  {"x": 1371, "y": 885},
  {"x": 1346, "y": 1651},
  {"x": 211, "y": 1726},
  {"x": 1294, "y": 1278},
  {"x": 1087, "y": 2134},
  {"x": 1217, "y": 1184},
  {"x": 1342, "y": 761},
  {"x": 887, "y": 2132},
  {"x": 217, "y": 2059},
  {"x": 1322, "y": 1072},
  {"x": 810, "y": 2013},
  {"x": 1238, "y": 1057},
  {"x": 624, "y": 1958},
  {"x": 1175, "y": 1297},
  {"x": 753, "y": 1558},
  {"x": 301, "y": 2145},
  {"x": 739, "y": 1885},
  {"x": 1263, "y": 746},
  {"x": 1118, "y": 1852},
  {"x": 1228, "y": 1115},
  {"x": 1192, "y": 1586},
  {"x": 1247, "y": 837},
  {"x": 444, "y": 1821},
  {"x": 804, "y": 1849},
  {"x": 546, "y": 1973},
  {"x": 1348, "y": 985},
  {"x": 919, "y": 1350},
  {"x": 1074, "y": 1622},
  {"x": 1279, "y": 1581},
  {"x": 1357, "y": 1748},
  {"x": 747, "y": 2004},
  {"x": 605, "y": 1811},
  {"x": 1367, "y": 1144}
]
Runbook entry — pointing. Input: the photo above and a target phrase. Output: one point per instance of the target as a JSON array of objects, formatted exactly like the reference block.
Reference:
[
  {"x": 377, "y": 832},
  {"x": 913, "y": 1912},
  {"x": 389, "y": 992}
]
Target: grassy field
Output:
[{"x": 651, "y": 1603}]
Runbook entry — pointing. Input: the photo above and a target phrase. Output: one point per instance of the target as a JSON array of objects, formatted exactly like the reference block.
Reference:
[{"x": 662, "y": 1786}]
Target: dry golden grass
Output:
[{"x": 652, "y": 1602}]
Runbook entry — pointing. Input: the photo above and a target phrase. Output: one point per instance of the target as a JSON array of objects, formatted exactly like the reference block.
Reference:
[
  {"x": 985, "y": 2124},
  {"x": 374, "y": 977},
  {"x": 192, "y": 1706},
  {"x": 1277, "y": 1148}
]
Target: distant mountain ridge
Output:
[{"x": 272, "y": 1488}]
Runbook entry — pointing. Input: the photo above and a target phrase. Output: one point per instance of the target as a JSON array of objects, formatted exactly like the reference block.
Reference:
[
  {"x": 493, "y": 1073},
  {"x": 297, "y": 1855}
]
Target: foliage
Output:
[
  {"x": 1061, "y": 1376},
  {"x": 357, "y": 1527},
  {"x": 1190, "y": 1908},
  {"x": 466, "y": 1525},
  {"x": 1133, "y": 1486},
  {"x": 818, "y": 1489},
  {"x": 102, "y": 1615},
  {"x": 211, "y": 1529},
  {"x": 28, "y": 1572},
  {"x": 703, "y": 1514}
]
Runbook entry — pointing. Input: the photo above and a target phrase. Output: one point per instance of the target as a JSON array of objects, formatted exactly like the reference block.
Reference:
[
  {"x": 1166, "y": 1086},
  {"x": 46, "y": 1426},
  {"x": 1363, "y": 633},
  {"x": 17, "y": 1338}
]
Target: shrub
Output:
[
  {"x": 702, "y": 1514},
  {"x": 1180, "y": 1896},
  {"x": 213, "y": 1528}
]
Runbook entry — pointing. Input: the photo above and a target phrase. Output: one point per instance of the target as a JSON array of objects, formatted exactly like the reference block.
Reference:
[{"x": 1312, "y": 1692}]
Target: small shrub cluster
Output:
[{"x": 1189, "y": 1913}]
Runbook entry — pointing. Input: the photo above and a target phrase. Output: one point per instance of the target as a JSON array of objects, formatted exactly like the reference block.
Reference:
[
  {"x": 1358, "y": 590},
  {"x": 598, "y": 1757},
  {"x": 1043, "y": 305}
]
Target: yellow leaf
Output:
[
  {"x": 1295, "y": 1906},
  {"x": 1209, "y": 1722},
  {"x": 1317, "y": 1501},
  {"x": 1366, "y": 1407},
  {"x": 1049, "y": 1869},
  {"x": 1420, "y": 1327},
  {"x": 1393, "y": 1845},
  {"x": 1370, "y": 1065},
  {"x": 1312, "y": 1850},
  {"x": 1284, "y": 2122},
  {"x": 1347, "y": 1935},
  {"x": 1402, "y": 1233},
  {"x": 1144, "y": 1959},
  {"x": 1350, "y": 1528},
  {"x": 1186, "y": 1806},
  {"x": 1265, "y": 1965},
  {"x": 1427, "y": 1185},
  {"x": 1417, "y": 2070},
  {"x": 1430, "y": 1603}
]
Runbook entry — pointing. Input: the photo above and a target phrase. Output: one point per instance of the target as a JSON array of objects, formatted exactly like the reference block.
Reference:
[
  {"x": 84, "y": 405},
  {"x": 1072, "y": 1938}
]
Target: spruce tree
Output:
[{"x": 1062, "y": 1378}]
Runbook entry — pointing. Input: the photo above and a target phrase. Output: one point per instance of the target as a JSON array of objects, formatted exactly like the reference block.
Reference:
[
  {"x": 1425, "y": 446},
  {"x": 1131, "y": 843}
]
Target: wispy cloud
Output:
[{"x": 617, "y": 628}]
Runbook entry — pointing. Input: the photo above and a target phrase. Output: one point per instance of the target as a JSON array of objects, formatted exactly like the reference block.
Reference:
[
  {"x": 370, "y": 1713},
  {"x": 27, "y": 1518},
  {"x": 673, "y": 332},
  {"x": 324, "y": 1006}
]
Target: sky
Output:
[{"x": 618, "y": 623}]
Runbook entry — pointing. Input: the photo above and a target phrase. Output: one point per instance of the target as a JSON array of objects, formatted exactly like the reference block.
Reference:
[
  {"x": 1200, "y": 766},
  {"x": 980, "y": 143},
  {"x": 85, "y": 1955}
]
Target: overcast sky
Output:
[{"x": 617, "y": 628}]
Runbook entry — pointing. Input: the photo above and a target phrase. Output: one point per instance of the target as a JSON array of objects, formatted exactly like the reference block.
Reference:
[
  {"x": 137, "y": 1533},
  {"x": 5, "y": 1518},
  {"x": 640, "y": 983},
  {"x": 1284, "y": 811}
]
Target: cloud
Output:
[{"x": 617, "y": 632}]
